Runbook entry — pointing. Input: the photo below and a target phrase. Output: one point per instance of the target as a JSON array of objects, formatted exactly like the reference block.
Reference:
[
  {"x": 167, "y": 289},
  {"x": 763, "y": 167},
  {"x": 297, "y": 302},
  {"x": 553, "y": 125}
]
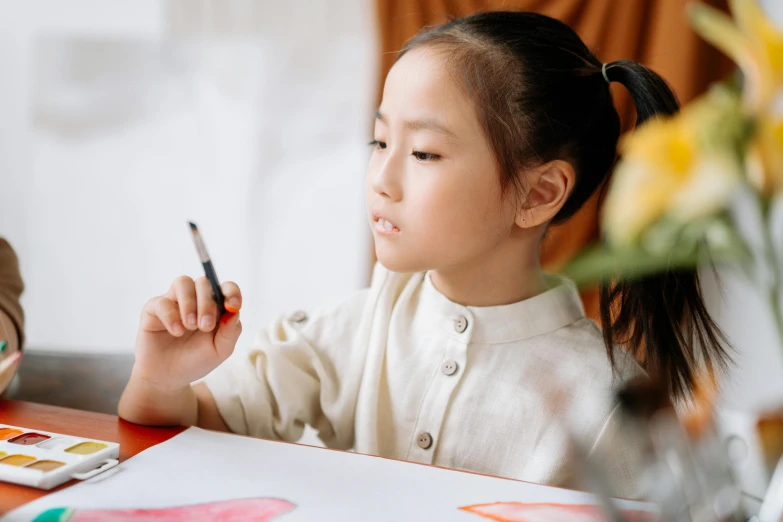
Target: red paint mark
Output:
[
  {"x": 520, "y": 512},
  {"x": 28, "y": 439},
  {"x": 242, "y": 510},
  {"x": 227, "y": 316}
]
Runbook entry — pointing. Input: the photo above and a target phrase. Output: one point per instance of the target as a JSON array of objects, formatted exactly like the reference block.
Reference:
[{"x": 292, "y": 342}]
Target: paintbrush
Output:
[
  {"x": 593, "y": 478},
  {"x": 209, "y": 270},
  {"x": 8, "y": 369},
  {"x": 587, "y": 471}
]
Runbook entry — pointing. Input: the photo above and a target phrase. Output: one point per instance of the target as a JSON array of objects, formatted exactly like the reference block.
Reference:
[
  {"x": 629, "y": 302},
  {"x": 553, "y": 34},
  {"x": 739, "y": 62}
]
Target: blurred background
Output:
[{"x": 121, "y": 121}]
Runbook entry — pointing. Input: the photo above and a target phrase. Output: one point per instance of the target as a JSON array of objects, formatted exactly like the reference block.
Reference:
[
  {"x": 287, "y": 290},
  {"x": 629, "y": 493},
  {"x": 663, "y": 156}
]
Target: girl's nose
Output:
[{"x": 386, "y": 180}]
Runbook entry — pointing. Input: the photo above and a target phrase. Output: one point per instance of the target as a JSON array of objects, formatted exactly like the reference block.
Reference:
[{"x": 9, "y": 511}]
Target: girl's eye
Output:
[
  {"x": 425, "y": 156},
  {"x": 378, "y": 144}
]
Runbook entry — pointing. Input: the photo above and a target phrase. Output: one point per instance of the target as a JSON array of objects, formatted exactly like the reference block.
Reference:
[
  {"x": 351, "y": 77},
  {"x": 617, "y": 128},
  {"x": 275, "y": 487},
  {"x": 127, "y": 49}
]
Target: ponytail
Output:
[{"x": 662, "y": 318}]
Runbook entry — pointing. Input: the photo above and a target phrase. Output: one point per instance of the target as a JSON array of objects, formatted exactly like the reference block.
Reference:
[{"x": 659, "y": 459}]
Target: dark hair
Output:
[{"x": 540, "y": 95}]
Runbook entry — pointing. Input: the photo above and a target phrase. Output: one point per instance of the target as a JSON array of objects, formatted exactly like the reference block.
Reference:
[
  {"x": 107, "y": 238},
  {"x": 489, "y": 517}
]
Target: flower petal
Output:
[
  {"x": 721, "y": 31},
  {"x": 765, "y": 157},
  {"x": 708, "y": 189},
  {"x": 766, "y": 39}
]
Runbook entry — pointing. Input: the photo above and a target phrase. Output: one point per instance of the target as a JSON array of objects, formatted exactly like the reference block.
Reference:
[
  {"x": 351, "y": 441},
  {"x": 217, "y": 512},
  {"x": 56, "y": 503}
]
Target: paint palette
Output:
[{"x": 45, "y": 460}]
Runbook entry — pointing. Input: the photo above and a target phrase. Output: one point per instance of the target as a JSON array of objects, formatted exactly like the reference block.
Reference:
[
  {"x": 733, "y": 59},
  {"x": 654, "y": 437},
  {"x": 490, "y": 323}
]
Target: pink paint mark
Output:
[
  {"x": 519, "y": 512},
  {"x": 243, "y": 510}
]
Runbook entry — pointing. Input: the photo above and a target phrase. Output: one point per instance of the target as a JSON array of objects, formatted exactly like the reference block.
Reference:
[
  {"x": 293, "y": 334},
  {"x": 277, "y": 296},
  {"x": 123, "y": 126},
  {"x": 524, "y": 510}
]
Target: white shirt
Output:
[{"x": 398, "y": 370}]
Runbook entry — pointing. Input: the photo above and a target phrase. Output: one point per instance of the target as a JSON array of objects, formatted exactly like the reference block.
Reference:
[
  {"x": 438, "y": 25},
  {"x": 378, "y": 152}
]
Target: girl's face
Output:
[{"x": 434, "y": 198}]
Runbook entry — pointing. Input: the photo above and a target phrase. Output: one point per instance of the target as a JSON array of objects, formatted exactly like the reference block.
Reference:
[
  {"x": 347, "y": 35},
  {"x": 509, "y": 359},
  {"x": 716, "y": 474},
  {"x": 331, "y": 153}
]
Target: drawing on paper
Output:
[
  {"x": 521, "y": 512},
  {"x": 242, "y": 510}
]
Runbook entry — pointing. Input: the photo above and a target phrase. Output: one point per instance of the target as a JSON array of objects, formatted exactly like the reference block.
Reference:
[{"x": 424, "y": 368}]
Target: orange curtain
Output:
[{"x": 653, "y": 32}]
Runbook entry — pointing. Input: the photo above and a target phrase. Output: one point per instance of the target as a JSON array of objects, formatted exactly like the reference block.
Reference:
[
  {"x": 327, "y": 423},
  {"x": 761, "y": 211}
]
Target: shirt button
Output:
[
  {"x": 449, "y": 367},
  {"x": 424, "y": 440},
  {"x": 460, "y": 324},
  {"x": 298, "y": 317}
]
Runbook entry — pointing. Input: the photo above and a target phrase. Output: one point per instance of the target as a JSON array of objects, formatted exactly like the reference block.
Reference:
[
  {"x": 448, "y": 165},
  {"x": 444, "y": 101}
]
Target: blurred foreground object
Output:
[
  {"x": 682, "y": 181},
  {"x": 11, "y": 314},
  {"x": 688, "y": 468}
]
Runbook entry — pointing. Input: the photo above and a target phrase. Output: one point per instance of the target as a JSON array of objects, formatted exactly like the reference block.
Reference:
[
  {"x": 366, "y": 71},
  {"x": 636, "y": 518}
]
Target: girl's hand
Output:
[{"x": 180, "y": 339}]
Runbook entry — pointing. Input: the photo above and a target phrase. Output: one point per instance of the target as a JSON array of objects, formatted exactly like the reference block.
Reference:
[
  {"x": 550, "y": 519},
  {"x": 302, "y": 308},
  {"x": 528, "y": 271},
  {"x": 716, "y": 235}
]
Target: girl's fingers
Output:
[
  {"x": 161, "y": 313},
  {"x": 150, "y": 321},
  {"x": 207, "y": 307},
  {"x": 227, "y": 335},
  {"x": 232, "y": 295},
  {"x": 184, "y": 292}
]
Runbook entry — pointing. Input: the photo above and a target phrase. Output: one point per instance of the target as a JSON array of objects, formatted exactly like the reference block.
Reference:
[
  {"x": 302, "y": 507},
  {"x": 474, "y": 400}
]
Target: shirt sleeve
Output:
[
  {"x": 11, "y": 287},
  {"x": 298, "y": 371}
]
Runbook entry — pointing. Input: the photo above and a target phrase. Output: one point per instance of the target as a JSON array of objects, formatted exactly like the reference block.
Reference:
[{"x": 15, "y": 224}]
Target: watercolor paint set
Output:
[{"x": 45, "y": 460}]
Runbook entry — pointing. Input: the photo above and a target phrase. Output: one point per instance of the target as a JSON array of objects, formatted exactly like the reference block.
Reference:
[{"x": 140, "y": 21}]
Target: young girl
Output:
[{"x": 491, "y": 128}]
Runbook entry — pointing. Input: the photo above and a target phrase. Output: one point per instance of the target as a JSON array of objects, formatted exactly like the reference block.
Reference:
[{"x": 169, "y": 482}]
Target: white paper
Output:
[{"x": 198, "y": 467}]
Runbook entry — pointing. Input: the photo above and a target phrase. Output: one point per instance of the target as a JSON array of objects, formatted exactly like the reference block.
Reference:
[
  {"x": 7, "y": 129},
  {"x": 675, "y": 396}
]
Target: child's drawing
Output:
[
  {"x": 519, "y": 512},
  {"x": 242, "y": 510}
]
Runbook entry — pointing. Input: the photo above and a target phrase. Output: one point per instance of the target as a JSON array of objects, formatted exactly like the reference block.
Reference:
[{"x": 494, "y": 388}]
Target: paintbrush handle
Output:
[{"x": 209, "y": 270}]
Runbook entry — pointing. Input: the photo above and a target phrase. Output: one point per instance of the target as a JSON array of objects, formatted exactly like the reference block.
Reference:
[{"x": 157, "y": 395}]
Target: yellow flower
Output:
[
  {"x": 678, "y": 168},
  {"x": 765, "y": 156},
  {"x": 753, "y": 42},
  {"x": 756, "y": 45}
]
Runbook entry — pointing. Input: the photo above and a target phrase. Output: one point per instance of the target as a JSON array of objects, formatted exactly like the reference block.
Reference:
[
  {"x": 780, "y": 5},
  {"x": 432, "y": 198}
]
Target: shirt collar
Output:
[{"x": 544, "y": 313}]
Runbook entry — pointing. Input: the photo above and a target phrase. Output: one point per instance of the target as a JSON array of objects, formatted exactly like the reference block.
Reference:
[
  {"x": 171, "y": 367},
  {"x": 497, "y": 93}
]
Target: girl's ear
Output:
[{"x": 548, "y": 188}]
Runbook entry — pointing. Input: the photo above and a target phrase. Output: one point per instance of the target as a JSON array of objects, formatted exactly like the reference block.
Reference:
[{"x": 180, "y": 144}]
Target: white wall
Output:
[{"x": 117, "y": 126}]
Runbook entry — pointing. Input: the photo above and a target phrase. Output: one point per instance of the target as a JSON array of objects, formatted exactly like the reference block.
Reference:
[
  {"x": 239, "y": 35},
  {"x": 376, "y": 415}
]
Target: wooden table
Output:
[{"x": 133, "y": 439}]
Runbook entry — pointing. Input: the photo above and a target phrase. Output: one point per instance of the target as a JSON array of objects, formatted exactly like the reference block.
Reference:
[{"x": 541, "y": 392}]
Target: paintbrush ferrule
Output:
[{"x": 209, "y": 270}]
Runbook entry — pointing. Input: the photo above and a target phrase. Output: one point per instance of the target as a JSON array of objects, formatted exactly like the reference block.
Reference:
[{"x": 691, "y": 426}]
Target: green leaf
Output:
[
  {"x": 668, "y": 247},
  {"x": 601, "y": 264}
]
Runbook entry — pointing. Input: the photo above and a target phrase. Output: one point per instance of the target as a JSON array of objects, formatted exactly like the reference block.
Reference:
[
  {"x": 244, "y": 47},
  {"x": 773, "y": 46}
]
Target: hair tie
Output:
[{"x": 603, "y": 71}]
